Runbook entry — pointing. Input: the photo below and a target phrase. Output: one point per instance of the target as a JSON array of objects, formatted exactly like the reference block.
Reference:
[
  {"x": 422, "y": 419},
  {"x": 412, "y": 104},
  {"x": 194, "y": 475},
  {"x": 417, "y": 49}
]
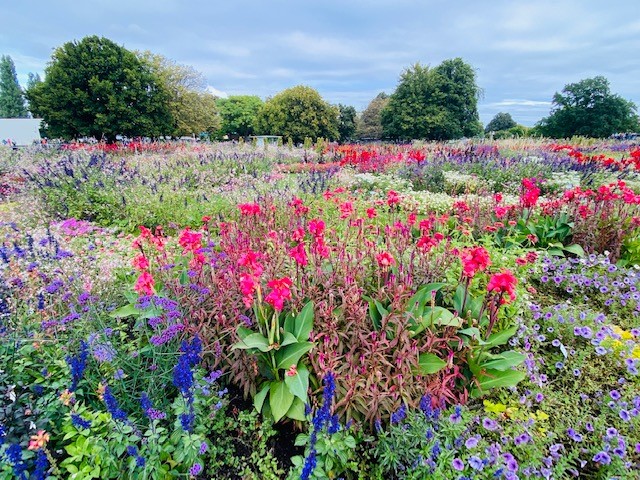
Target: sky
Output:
[{"x": 522, "y": 51}]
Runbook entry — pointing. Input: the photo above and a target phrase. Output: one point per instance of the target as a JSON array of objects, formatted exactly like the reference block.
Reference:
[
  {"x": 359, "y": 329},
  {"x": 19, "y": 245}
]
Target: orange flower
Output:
[
  {"x": 38, "y": 441},
  {"x": 67, "y": 397}
]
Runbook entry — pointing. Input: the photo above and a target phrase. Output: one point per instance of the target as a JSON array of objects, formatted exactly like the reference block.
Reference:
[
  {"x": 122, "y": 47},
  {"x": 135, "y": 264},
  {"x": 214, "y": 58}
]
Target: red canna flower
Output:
[
  {"x": 392, "y": 198},
  {"x": 140, "y": 262},
  {"x": 503, "y": 283},
  {"x": 371, "y": 213},
  {"x": 474, "y": 260},
  {"x": 316, "y": 227},
  {"x": 145, "y": 284},
  {"x": 385, "y": 259},
  {"x": 249, "y": 209},
  {"x": 299, "y": 254},
  {"x": 281, "y": 291}
]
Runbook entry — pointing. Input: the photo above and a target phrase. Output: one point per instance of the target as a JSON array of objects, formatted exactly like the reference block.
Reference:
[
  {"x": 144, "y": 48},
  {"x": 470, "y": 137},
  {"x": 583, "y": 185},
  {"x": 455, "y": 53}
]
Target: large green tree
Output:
[
  {"x": 96, "y": 88},
  {"x": 501, "y": 121},
  {"x": 588, "y": 108},
  {"x": 238, "y": 114},
  {"x": 346, "y": 122},
  {"x": 11, "y": 96},
  {"x": 193, "y": 110},
  {"x": 435, "y": 104},
  {"x": 369, "y": 125},
  {"x": 298, "y": 113}
]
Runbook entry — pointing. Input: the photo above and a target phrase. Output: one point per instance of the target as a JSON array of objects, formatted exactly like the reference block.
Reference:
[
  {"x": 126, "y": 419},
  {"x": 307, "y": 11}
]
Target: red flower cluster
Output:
[
  {"x": 474, "y": 260},
  {"x": 503, "y": 282},
  {"x": 281, "y": 291},
  {"x": 385, "y": 259},
  {"x": 249, "y": 209},
  {"x": 530, "y": 193},
  {"x": 299, "y": 254}
]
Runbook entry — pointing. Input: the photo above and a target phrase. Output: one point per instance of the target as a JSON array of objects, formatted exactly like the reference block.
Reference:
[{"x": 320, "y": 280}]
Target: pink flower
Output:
[
  {"x": 392, "y": 198},
  {"x": 316, "y": 227},
  {"x": 385, "y": 259},
  {"x": 281, "y": 291},
  {"x": 190, "y": 241},
  {"x": 299, "y": 254},
  {"x": 140, "y": 262},
  {"x": 503, "y": 282},
  {"x": 249, "y": 209},
  {"x": 371, "y": 213},
  {"x": 474, "y": 260},
  {"x": 346, "y": 209},
  {"x": 145, "y": 284}
]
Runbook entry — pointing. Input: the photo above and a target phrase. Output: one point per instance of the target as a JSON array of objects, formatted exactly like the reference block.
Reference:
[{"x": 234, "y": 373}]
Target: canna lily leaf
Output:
[
  {"x": 298, "y": 384},
  {"x": 291, "y": 354},
  {"x": 504, "y": 361},
  {"x": 296, "y": 411},
  {"x": 126, "y": 311},
  {"x": 496, "y": 379},
  {"x": 280, "y": 399},
  {"x": 259, "y": 398},
  {"x": 429, "y": 363},
  {"x": 255, "y": 340},
  {"x": 301, "y": 325}
]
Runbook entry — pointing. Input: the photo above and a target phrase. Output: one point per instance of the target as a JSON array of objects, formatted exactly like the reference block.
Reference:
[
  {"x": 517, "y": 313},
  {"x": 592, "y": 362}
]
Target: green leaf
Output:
[
  {"x": 429, "y": 363},
  {"x": 291, "y": 354},
  {"x": 504, "y": 361},
  {"x": 299, "y": 383},
  {"x": 556, "y": 252},
  {"x": 296, "y": 411},
  {"x": 496, "y": 379},
  {"x": 458, "y": 297},
  {"x": 288, "y": 339},
  {"x": 244, "y": 332},
  {"x": 258, "y": 400},
  {"x": 280, "y": 399},
  {"x": 422, "y": 298},
  {"x": 126, "y": 311},
  {"x": 500, "y": 338},
  {"x": 575, "y": 249},
  {"x": 255, "y": 340},
  {"x": 303, "y": 323}
]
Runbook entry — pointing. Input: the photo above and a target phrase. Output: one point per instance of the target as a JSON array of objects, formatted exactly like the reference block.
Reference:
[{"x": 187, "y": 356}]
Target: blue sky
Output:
[{"x": 350, "y": 51}]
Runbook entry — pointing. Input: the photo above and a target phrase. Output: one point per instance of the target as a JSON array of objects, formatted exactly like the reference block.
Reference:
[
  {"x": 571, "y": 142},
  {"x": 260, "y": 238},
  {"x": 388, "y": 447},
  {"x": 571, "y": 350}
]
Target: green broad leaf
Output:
[
  {"x": 303, "y": 323},
  {"x": 299, "y": 383},
  {"x": 496, "y": 379},
  {"x": 126, "y": 311},
  {"x": 422, "y": 298},
  {"x": 244, "y": 332},
  {"x": 184, "y": 278},
  {"x": 504, "y": 361},
  {"x": 288, "y": 339},
  {"x": 150, "y": 313},
  {"x": 458, "y": 297},
  {"x": 575, "y": 249},
  {"x": 296, "y": 411},
  {"x": 556, "y": 252},
  {"x": 255, "y": 340},
  {"x": 376, "y": 311},
  {"x": 437, "y": 316},
  {"x": 280, "y": 400},
  {"x": 258, "y": 400},
  {"x": 500, "y": 338},
  {"x": 291, "y": 354},
  {"x": 429, "y": 363}
]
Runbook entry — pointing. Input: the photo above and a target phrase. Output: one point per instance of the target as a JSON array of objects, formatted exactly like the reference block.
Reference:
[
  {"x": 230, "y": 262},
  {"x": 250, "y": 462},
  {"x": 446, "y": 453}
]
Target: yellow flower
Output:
[{"x": 66, "y": 397}]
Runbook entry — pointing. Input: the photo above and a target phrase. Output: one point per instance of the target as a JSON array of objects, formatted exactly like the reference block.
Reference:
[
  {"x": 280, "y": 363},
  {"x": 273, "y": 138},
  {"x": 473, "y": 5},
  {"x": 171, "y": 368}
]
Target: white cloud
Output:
[
  {"x": 520, "y": 103},
  {"x": 214, "y": 91}
]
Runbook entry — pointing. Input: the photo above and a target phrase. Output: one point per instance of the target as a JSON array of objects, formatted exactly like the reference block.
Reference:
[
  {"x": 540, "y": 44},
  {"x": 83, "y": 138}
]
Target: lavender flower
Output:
[
  {"x": 77, "y": 365},
  {"x": 79, "y": 422}
]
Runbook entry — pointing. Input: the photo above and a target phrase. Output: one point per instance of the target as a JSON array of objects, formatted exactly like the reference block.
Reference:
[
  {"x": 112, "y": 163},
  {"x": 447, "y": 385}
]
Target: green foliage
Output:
[
  {"x": 369, "y": 125},
  {"x": 588, "y": 108},
  {"x": 435, "y": 104},
  {"x": 346, "y": 123},
  {"x": 239, "y": 114},
  {"x": 96, "y": 88},
  {"x": 297, "y": 113},
  {"x": 335, "y": 455},
  {"x": 281, "y": 344},
  {"x": 11, "y": 96},
  {"x": 502, "y": 121}
]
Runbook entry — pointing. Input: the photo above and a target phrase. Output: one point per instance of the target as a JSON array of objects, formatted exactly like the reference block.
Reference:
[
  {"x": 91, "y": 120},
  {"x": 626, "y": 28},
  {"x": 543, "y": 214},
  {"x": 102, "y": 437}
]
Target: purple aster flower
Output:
[
  {"x": 472, "y": 442},
  {"x": 490, "y": 424},
  {"x": 614, "y": 394},
  {"x": 602, "y": 457},
  {"x": 476, "y": 463},
  {"x": 457, "y": 464}
]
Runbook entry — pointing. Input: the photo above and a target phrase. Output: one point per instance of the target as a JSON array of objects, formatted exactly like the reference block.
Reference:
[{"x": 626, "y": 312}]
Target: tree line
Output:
[{"x": 96, "y": 88}]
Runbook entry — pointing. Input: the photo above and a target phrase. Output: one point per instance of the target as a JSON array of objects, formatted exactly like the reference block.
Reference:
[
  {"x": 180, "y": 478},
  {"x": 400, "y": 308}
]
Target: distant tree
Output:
[
  {"x": 298, "y": 113},
  {"x": 369, "y": 125},
  {"x": 502, "y": 121},
  {"x": 434, "y": 104},
  {"x": 588, "y": 108},
  {"x": 192, "y": 109},
  {"x": 96, "y": 88},
  {"x": 346, "y": 122},
  {"x": 33, "y": 80},
  {"x": 238, "y": 114},
  {"x": 11, "y": 97}
]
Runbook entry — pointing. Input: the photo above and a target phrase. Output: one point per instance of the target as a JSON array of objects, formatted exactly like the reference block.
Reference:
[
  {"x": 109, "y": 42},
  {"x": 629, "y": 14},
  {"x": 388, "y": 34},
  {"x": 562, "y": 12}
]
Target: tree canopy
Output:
[
  {"x": 502, "y": 121},
  {"x": 193, "y": 110},
  {"x": 346, "y": 122},
  {"x": 588, "y": 108},
  {"x": 298, "y": 113},
  {"x": 238, "y": 114},
  {"x": 369, "y": 125},
  {"x": 11, "y": 97},
  {"x": 94, "y": 87},
  {"x": 435, "y": 104}
]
